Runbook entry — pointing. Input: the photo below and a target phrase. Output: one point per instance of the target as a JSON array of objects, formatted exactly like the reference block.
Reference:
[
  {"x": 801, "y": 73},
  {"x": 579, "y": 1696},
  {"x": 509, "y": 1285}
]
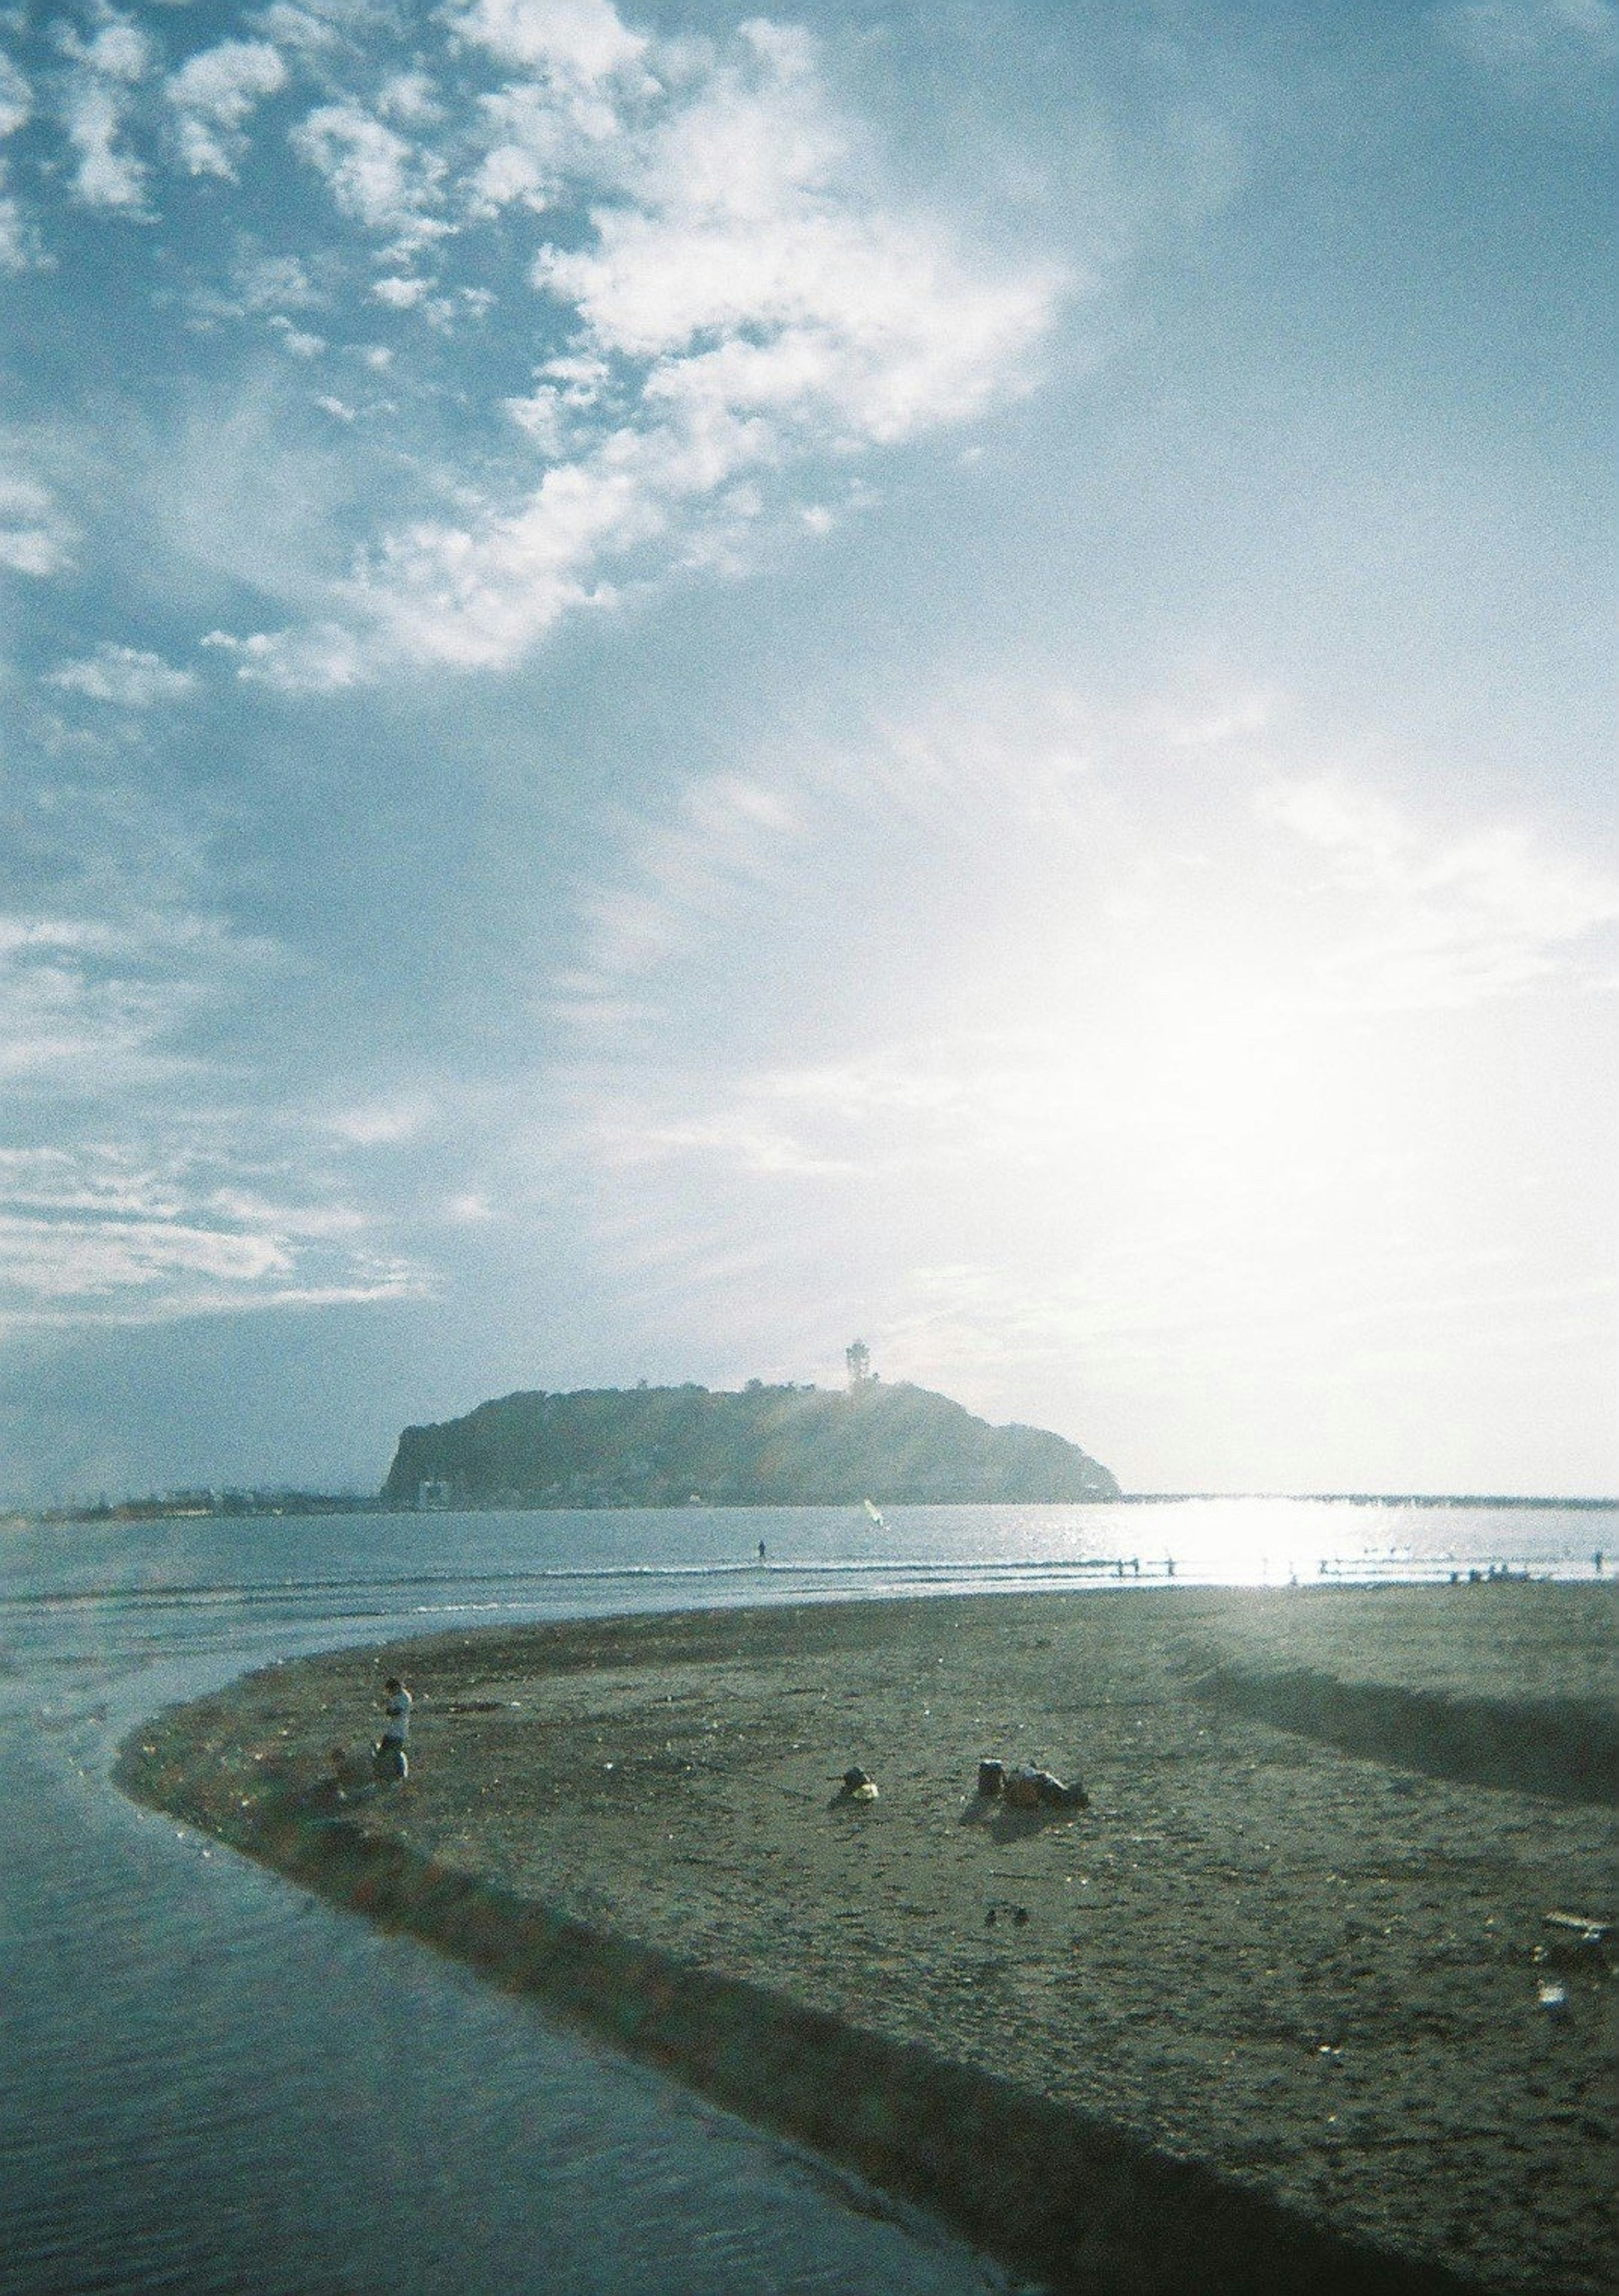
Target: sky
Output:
[{"x": 677, "y": 685}]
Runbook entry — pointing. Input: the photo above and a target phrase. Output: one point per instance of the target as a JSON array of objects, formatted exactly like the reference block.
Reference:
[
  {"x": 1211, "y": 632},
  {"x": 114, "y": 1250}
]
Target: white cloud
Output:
[
  {"x": 572, "y": 117},
  {"x": 119, "y": 51},
  {"x": 746, "y": 302},
  {"x": 107, "y": 177},
  {"x": 105, "y": 71},
  {"x": 214, "y": 93},
  {"x": 125, "y": 675},
  {"x": 1107, "y": 933},
  {"x": 754, "y": 271},
  {"x": 34, "y": 537},
  {"x": 530, "y": 143},
  {"x": 17, "y": 249},
  {"x": 400, "y": 294},
  {"x": 582, "y": 40},
  {"x": 276, "y": 283},
  {"x": 297, "y": 340},
  {"x": 1450, "y": 920},
  {"x": 746, "y": 299},
  {"x": 479, "y": 597},
  {"x": 135, "y": 1185},
  {"x": 380, "y": 1123},
  {"x": 175, "y": 1226},
  {"x": 60, "y": 1259},
  {"x": 891, "y": 821},
  {"x": 728, "y": 832},
  {"x": 321, "y": 658},
  {"x": 16, "y": 99},
  {"x": 88, "y": 993},
  {"x": 410, "y": 96},
  {"x": 378, "y": 177},
  {"x": 16, "y": 110},
  {"x": 301, "y": 31},
  {"x": 90, "y": 1003}
]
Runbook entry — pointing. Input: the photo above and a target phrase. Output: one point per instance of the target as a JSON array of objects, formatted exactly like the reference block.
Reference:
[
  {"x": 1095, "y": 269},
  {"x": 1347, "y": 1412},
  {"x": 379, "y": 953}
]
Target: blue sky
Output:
[{"x": 678, "y": 685}]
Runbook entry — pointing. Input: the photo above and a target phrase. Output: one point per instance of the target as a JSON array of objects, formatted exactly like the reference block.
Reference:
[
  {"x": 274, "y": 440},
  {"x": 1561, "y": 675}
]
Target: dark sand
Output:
[{"x": 1298, "y": 1941}]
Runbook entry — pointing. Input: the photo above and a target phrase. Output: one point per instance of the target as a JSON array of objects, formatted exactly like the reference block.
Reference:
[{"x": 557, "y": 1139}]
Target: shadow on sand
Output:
[
  {"x": 1003, "y": 1822},
  {"x": 1566, "y": 1749}
]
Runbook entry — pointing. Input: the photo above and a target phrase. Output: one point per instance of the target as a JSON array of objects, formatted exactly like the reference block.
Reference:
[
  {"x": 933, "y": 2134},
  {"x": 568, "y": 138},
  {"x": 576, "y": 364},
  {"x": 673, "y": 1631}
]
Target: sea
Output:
[{"x": 211, "y": 2081}]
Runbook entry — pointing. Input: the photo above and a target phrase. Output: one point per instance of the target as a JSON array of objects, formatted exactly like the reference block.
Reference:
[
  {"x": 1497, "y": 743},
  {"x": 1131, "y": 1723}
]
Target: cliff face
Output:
[{"x": 765, "y": 1447}]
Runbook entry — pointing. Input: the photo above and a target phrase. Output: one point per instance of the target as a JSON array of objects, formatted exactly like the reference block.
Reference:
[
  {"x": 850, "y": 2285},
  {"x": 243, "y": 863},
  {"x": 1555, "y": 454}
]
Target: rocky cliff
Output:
[{"x": 765, "y": 1446}]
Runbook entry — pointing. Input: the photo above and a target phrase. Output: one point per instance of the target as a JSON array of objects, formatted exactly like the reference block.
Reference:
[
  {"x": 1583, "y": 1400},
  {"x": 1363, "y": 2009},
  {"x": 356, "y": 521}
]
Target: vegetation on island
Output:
[{"x": 762, "y": 1447}]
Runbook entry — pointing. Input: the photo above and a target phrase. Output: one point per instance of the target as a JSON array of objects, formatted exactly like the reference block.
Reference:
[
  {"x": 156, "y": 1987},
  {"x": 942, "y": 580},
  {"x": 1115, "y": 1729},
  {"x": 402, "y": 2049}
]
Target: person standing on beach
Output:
[{"x": 392, "y": 1761}]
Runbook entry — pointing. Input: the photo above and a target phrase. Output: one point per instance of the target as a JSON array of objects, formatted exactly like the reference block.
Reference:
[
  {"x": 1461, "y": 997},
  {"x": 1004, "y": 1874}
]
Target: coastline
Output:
[{"x": 1269, "y": 2017}]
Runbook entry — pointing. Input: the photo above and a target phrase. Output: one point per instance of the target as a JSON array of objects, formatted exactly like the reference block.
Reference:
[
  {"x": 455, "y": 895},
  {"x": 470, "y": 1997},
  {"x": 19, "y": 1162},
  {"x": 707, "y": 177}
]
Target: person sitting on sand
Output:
[{"x": 392, "y": 1761}]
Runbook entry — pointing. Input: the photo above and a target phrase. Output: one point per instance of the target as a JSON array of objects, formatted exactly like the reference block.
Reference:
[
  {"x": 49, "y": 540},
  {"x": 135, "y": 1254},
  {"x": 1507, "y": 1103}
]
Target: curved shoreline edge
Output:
[{"x": 1038, "y": 2187}]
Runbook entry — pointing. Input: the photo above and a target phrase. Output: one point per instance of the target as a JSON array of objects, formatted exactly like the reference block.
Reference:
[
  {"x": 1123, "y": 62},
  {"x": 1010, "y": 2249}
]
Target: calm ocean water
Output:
[{"x": 209, "y": 2082}]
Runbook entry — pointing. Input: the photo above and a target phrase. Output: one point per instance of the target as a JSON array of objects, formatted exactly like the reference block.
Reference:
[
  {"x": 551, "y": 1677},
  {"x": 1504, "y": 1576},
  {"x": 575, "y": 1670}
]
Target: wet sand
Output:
[{"x": 1267, "y": 2014}]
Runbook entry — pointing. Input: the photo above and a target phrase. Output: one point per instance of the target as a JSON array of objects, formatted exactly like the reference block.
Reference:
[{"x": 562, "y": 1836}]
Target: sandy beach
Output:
[{"x": 1289, "y": 1978}]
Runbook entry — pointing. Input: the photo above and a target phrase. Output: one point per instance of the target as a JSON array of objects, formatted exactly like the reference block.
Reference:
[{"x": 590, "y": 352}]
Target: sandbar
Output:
[{"x": 1281, "y": 2009}]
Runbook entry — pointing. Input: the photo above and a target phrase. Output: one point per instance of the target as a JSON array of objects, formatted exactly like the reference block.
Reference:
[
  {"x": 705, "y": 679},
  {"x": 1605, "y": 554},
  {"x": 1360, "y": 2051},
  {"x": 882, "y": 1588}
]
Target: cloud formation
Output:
[
  {"x": 149, "y": 1189},
  {"x": 376, "y": 176},
  {"x": 732, "y": 301},
  {"x": 577, "y": 42},
  {"x": 214, "y": 94},
  {"x": 1454, "y": 920},
  {"x": 718, "y": 345},
  {"x": 36, "y": 538},
  {"x": 146, "y": 1232},
  {"x": 98, "y": 94},
  {"x": 125, "y": 675},
  {"x": 16, "y": 110}
]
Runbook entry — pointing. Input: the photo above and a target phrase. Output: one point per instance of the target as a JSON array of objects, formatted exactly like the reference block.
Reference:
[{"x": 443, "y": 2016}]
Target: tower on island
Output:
[{"x": 858, "y": 1358}]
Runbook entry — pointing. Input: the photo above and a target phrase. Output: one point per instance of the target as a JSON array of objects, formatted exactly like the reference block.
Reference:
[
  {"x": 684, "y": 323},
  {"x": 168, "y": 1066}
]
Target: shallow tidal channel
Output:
[{"x": 210, "y": 2080}]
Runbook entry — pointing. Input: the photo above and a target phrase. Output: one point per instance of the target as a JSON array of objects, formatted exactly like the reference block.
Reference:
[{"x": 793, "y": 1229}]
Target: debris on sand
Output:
[
  {"x": 1577, "y": 1942},
  {"x": 1588, "y": 1931}
]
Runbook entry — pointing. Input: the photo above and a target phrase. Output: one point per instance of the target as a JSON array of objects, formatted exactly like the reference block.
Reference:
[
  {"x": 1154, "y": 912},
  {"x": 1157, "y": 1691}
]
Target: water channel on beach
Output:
[{"x": 210, "y": 2082}]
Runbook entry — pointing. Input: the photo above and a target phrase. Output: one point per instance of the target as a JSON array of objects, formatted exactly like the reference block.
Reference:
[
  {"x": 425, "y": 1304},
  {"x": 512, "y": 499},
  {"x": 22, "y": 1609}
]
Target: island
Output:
[{"x": 762, "y": 1445}]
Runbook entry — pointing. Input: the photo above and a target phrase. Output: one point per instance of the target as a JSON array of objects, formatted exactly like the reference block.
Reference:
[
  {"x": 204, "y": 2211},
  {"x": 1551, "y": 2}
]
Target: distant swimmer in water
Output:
[{"x": 761, "y": 1550}]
